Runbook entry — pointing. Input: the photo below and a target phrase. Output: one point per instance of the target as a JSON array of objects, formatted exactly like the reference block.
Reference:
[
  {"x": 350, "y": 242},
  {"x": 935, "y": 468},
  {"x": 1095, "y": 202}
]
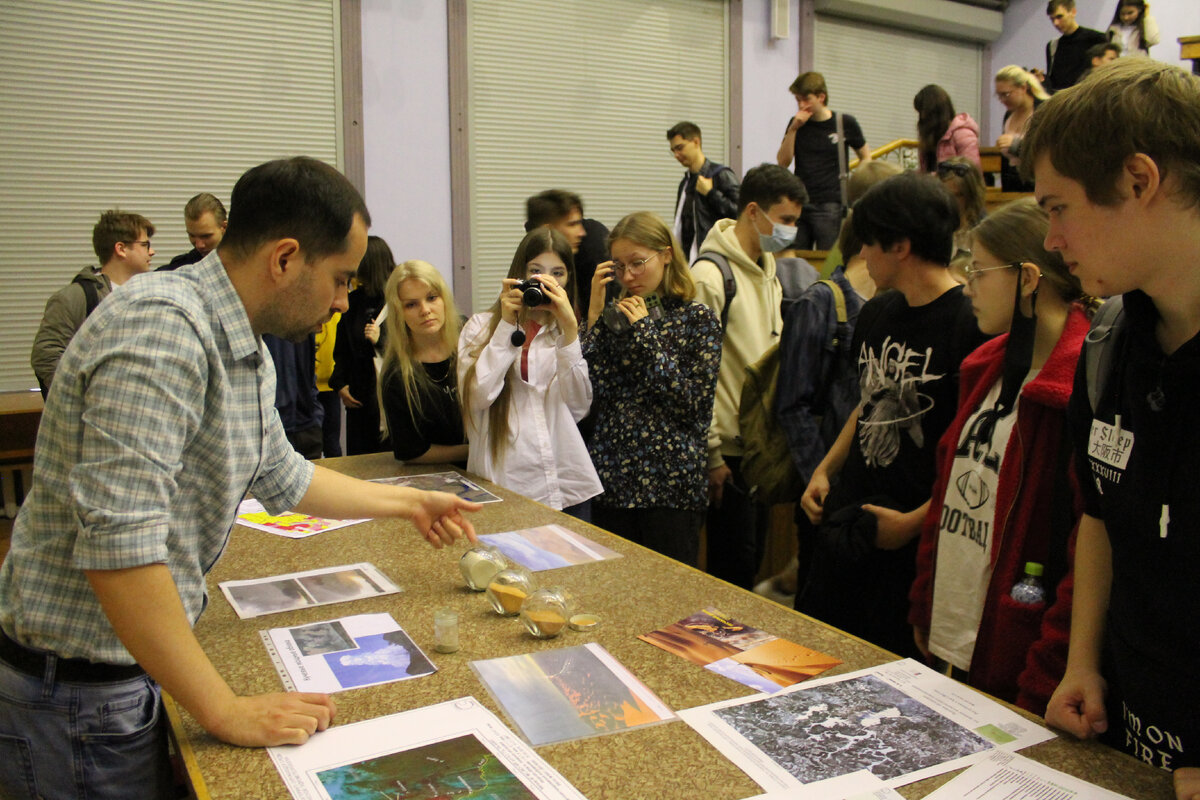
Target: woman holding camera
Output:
[
  {"x": 524, "y": 384},
  {"x": 653, "y": 355}
]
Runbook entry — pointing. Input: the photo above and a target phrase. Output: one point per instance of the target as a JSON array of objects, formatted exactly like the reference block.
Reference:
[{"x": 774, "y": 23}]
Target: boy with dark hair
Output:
[
  {"x": 1100, "y": 54},
  {"x": 707, "y": 192},
  {"x": 122, "y": 244},
  {"x": 769, "y": 206},
  {"x": 870, "y": 492},
  {"x": 819, "y": 141},
  {"x": 1126, "y": 218},
  {"x": 1066, "y": 56},
  {"x": 154, "y": 434},
  {"x": 588, "y": 238}
]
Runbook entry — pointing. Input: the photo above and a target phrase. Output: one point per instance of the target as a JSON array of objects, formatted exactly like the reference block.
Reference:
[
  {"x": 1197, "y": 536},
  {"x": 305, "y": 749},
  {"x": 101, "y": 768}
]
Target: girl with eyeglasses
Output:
[
  {"x": 653, "y": 355},
  {"x": 941, "y": 133},
  {"x": 1020, "y": 93},
  {"x": 524, "y": 383},
  {"x": 1005, "y": 493},
  {"x": 418, "y": 384}
]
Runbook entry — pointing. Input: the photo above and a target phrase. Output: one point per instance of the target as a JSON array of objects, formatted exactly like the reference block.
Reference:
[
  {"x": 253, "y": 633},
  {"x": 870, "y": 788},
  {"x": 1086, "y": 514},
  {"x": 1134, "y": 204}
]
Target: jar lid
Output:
[{"x": 584, "y": 622}]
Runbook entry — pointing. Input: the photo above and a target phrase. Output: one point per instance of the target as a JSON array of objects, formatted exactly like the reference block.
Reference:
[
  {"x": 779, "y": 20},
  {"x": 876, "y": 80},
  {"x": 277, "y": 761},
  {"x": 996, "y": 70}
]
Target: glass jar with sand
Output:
[
  {"x": 546, "y": 611},
  {"x": 509, "y": 588},
  {"x": 480, "y": 564}
]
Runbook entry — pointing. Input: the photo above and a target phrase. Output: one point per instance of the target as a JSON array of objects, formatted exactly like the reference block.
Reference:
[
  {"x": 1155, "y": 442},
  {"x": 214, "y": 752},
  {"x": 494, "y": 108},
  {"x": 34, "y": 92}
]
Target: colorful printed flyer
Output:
[
  {"x": 749, "y": 656},
  {"x": 293, "y": 526}
]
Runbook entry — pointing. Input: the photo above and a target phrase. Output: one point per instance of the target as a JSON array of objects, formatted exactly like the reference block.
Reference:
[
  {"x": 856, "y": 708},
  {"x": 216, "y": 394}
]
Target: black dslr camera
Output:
[{"x": 533, "y": 293}]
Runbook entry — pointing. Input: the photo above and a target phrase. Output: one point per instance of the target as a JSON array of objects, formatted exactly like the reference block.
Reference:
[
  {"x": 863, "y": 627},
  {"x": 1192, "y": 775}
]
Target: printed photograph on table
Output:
[
  {"x": 450, "y": 482},
  {"x": 548, "y": 547},
  {"x": 454, "y": 749},
  {"x": 570, "y": 693},
  {"x": 291, "y": 525},
  {"x": 456, "y": 768},
  {"x": 747, "y": 655},
  {"x": 317, "y": 587},
  {"x": 346, "y": 653}
]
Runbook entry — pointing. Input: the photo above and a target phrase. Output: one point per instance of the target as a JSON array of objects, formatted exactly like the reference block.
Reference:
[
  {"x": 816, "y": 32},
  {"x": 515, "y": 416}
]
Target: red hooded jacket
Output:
[{"x": 1020, "y": 651}]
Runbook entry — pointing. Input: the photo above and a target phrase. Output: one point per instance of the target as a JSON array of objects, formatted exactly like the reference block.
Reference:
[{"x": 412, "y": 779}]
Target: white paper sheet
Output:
[
  {"x": 346, "y": 653},
  {"x": 901, "y": 721},
  {"x": 307, "y": 589},
  {"x": 1009, "y": 776},
  {"x": 444, "y": 749}
]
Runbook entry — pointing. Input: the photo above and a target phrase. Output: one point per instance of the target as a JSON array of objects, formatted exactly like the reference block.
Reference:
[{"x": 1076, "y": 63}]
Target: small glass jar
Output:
[
  {"x": 509, "y": 588},
  {"x": 479, "y": 565},
  {"x": 545, "y": 612},
  {"x": 445, "y": 630}
]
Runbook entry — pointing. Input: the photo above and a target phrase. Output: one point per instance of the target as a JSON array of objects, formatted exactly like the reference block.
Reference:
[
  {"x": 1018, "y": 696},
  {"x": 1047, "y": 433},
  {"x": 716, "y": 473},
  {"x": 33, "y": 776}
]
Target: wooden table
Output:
[{"x": 635, "y": 594}]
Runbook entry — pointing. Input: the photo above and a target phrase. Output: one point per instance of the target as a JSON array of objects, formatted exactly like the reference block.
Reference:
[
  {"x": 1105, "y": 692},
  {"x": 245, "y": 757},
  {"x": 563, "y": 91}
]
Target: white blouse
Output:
[{"x": 544, "y": 458}]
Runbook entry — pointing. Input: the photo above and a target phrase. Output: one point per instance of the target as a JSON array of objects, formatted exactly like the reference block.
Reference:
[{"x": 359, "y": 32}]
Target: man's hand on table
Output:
[{"x": 267, "y": 720}]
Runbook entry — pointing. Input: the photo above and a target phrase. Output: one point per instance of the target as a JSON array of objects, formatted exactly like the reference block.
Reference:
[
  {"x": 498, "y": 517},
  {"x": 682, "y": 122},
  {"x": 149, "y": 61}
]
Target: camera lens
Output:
[{"x": 532, "y": 294}]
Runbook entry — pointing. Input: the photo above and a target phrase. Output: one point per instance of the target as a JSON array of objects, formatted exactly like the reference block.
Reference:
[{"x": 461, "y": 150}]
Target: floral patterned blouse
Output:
[{"x": 653, "y": 388}]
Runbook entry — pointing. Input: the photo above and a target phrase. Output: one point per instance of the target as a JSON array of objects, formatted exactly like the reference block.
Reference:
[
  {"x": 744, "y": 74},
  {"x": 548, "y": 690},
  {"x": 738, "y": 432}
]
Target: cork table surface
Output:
[{"x": 635, "y": 594}]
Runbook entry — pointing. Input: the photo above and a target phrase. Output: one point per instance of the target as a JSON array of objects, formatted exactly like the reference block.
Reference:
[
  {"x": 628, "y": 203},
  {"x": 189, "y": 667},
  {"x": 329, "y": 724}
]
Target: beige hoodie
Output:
[{"x": 754, "y": 324}]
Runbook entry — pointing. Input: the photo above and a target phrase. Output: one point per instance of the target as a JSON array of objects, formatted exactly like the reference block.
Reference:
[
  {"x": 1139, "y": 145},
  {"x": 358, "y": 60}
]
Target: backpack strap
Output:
[
  {"x": 843, "y": 170},
  {"x": 90, "y": 294},
  {"x": 1097, "y": 349},
  {"x": 728, "y": 282}
]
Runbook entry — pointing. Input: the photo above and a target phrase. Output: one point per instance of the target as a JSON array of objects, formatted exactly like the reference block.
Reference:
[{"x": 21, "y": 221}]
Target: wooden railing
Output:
[{"x": 904, "y": 151}]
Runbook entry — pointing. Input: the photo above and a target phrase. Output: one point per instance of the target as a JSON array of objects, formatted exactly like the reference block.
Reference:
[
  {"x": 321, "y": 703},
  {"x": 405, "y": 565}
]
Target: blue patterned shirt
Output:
[{"x": 161, "y": 417}]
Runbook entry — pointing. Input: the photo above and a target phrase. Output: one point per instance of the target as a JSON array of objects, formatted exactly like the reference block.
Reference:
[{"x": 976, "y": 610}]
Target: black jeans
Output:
[
  {"x": 674, "y": 532},
  {"x": 737, "y": 532}
]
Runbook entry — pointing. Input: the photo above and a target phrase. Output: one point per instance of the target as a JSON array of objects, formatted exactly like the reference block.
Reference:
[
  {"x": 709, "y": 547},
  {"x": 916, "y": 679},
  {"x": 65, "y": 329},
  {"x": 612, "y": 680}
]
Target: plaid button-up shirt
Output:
[{"x": 161, "y": 417}]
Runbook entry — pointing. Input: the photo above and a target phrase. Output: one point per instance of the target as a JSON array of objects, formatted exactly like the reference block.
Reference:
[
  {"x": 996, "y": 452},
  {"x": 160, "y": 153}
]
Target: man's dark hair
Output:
[
  {"x": 1065, "y": 5},
  {"x": 767, "y": 184},
  {"x": 912, "y": 206},
  {"x": 550, "y": 206},
  {"x": 118, "y": 226},
  {"x": 809, "y": 83},
  {"x": 301, "y": 198},
  {"x": 1098, "y": 50},
  {"x": 687, "y": 130}
]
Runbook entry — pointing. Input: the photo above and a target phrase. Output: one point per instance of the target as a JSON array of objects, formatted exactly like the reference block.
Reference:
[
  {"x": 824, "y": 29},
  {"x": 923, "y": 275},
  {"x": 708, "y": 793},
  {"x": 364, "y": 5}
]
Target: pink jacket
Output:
[{"x": 960, "y": 139}]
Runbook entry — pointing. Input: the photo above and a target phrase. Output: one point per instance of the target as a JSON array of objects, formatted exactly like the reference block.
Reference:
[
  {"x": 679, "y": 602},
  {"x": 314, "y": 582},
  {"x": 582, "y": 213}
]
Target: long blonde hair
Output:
[
  {"x": 1019, "y": 76},
  {"x": 646, "y": 229},
  {"x": 399, "y": 353},
  {"x": 543, "y": 239}
]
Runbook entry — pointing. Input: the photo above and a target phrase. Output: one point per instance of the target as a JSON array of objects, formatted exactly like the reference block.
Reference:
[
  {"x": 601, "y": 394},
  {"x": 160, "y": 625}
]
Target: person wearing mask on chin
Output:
[{"x": 735, "y": 277}]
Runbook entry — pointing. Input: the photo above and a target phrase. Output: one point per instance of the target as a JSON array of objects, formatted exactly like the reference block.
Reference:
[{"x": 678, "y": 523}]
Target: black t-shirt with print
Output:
[{"x": 1142, "y": 480}]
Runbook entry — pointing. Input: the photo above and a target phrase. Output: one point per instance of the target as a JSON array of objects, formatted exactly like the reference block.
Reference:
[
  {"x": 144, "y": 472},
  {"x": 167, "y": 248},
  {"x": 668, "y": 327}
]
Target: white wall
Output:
[
  {"x": 406, "y": 127},
  {"x": 768, "y": 67},
  {"x": 1027, "y": 29}
]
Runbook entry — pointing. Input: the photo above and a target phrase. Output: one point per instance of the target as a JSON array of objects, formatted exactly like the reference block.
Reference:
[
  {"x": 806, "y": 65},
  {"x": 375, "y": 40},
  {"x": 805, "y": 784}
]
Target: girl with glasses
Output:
[
  {"x": 524, "y": 383},
  {"x": 418, "y": 383},
  {"x": 1005, "y": 493},
  {"x": 1020, "y": 93},
  {"x": 653, "y": 355}
]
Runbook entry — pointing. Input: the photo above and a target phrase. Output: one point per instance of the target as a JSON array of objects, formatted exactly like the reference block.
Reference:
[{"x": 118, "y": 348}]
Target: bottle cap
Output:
[{"x": 1033, "y": 568}]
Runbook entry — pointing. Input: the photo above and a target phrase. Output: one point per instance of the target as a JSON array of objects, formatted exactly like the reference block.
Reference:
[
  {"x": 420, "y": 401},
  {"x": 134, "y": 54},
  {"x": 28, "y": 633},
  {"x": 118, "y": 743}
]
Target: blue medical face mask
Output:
[{"x": 779, "y": 238}]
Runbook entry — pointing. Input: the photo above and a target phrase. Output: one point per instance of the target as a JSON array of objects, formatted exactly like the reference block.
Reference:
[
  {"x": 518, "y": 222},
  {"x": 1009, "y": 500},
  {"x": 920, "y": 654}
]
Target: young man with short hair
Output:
[
  {"x": 205, "y": 219},
  {"x": 122, "y": 244},
  {"x": 1066, "y": 56},
  {"x": 870, "y": 491},
  {"x": 1125, "y": 215},
  {"x": 159, "y": 424},
  {"x": 707, "y": 192},
  {"x": 588, "y": 238},
  {"x": 769, "y": 207},
  {"x": 811, "y": 140},
  {"x": 1100, "y": 54}
]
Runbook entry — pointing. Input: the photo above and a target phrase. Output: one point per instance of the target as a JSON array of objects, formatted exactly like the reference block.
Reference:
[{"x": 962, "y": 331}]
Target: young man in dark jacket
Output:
[{"x": 707, "y": 192}]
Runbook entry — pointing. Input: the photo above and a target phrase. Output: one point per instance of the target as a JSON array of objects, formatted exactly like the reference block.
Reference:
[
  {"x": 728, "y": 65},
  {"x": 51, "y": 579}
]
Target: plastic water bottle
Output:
[{"x": 1029, "y": 590}]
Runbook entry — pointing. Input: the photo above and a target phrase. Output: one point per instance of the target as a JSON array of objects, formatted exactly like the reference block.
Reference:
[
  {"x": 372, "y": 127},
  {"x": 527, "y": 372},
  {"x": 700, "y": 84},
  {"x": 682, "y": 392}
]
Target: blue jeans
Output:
[
  {"x": 81, "y": 740},
  {"x": 819, "y": 226}
]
